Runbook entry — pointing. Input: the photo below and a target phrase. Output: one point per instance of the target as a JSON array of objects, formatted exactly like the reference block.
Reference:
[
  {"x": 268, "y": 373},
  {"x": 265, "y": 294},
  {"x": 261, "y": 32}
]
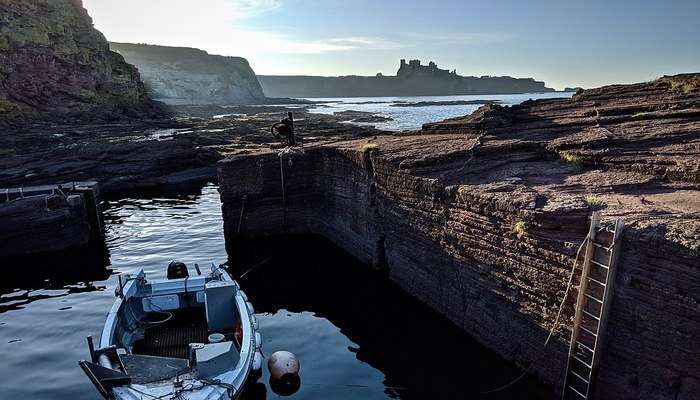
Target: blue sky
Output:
[{"x": 564, "y": 43}]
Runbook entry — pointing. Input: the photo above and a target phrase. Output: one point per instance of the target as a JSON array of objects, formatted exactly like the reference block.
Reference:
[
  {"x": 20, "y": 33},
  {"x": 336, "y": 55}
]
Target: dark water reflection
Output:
[
  {"x": 356, "y": 334},
  {"x": 360, "y": 335}
]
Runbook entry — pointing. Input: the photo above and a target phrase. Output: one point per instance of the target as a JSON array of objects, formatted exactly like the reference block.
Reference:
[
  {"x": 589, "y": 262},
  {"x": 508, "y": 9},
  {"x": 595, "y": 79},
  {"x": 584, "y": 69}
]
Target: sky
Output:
[{"x": 562, "y": 42}]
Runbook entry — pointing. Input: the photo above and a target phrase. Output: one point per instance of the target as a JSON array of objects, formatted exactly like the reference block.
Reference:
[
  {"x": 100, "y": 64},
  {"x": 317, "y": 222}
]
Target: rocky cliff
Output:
[
  {"x": 55, "y": 64},
  {"x": 480, "y": 218},
  {"x": 412, "y": 79},
  {"x": 191, "y": 76}
]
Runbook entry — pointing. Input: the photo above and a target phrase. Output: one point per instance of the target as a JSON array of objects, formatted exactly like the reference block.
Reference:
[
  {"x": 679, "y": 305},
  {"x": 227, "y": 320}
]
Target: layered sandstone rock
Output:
[
  {"x": 55, "y": 65},
  {"x": 480, "y": 218}
]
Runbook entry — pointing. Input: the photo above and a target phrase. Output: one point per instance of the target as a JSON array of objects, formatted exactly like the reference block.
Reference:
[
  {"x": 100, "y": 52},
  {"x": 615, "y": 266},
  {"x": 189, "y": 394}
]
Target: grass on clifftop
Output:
[
  {"x": 593, "y": 201},
  {"x": 684, "y": 83},
  {"x": 520, "y": 228},
  {"x": 571, "y": 158},
  {"x": 367, "y": 147}
]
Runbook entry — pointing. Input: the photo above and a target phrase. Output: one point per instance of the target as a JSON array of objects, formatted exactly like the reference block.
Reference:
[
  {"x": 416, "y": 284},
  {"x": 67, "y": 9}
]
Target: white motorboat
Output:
[{"x": 185, "y": 337}]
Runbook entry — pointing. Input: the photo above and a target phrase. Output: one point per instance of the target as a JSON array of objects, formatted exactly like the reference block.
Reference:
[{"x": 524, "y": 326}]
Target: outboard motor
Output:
[{"x": 177, "y": 270}]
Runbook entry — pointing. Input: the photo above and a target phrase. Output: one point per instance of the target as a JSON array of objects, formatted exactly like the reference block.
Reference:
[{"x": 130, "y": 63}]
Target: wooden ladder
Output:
[{"x": 592, "y": 308}]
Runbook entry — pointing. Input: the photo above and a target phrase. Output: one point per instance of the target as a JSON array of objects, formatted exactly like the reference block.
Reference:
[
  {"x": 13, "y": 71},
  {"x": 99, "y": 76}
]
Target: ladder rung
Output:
[
  {"x": 593, "y": 298},
  {"x": 577, "y": 392},
  {"x": 579, "y": 377},
  {"x": 588, "y": 330},
  {"x": 596, "y": 281},
  {"x": 600, "y": 246},
  {"x": 585, "y": 347},
  {"x": 590, "y": 315},
  {"x": 594, "y": 262},
  {"x": 582, "y": 362}
]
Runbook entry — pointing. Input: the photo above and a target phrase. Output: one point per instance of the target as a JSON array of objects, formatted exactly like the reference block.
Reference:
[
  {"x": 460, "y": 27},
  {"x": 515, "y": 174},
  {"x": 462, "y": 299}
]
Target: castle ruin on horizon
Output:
[{"x": 414, "y": 67}]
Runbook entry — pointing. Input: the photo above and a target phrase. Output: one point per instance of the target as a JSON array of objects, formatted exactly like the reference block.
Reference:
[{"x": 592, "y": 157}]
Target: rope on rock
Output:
[
  {"x": 566, "y": 293},
  {"x": 287, "y": 151},
  {"x": 240, "y": 217},
  {"x": 556, "y": 321},
  {"x": 284, "y": 197},
  {"x": 506, "y": 386}
]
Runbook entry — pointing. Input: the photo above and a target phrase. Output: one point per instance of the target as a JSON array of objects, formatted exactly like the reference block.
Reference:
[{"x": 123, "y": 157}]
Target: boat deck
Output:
[{"x": 172, "y": 338}]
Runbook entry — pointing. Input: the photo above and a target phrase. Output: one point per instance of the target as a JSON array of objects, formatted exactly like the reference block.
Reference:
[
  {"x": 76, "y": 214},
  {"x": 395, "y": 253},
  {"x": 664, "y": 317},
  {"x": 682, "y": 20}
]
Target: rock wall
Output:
[
  {"x": 55, "y": 64},
  {"x": 43, "y": 223},
  {"x": 182, "y": 75},
  {"x": 439, "y": 209}
]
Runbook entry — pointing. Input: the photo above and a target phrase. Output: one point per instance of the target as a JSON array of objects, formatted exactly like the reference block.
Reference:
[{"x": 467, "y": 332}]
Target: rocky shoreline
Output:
[
  {"x": 480, "y": 218},
  {"x": 130, "y": 154}
]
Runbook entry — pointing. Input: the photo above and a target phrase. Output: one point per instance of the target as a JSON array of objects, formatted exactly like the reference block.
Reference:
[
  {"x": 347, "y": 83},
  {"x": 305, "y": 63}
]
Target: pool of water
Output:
[
  {"x": 408, "y": 118},
  {"x": 356, "y": 334}
]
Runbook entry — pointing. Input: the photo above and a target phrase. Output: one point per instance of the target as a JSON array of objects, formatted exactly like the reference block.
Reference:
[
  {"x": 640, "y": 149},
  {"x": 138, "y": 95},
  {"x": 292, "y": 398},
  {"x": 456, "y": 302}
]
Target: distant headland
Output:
[{"x": 411, "y": 79}]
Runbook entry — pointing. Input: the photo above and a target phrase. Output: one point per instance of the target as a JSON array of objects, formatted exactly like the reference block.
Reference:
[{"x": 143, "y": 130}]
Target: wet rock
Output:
[
  {"x": 445, "y": 103},
  {"x": 361, "y": 116}
]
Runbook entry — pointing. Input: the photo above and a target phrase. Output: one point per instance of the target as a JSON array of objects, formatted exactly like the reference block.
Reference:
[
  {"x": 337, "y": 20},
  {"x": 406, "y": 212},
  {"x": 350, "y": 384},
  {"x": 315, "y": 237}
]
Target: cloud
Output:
[
  {"x": 368, "y": 43},
  {"x": 461, "y": 38},
  {"x": 217, "y": 27},
  {"x": 251, "y": 8}
]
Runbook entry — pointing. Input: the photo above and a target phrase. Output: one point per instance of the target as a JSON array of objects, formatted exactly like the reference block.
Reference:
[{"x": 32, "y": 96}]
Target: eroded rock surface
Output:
[
  {"x": 480, "y": 217},
  {"x": 136, "y": 154},
  {"x": 55, "y": 65}
]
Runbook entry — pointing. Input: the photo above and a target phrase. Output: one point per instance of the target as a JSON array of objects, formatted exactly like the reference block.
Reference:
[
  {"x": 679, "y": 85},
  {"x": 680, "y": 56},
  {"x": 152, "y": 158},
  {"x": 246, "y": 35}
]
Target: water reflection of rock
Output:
[
  {"x": 51, "y": 275},
  {"x": 394, "y": 333}
]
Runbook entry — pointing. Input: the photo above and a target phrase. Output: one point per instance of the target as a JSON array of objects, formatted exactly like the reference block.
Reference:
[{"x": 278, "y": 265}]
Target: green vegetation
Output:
[
  {"x": 520, "y": 228},
  {"x": 571, "y": 158},
  {"x": 367, "y": 147},
  {"x": 684, "y": 83},
  {"x": 593, "y": 201},
  {"x": 7, "y": 106}
]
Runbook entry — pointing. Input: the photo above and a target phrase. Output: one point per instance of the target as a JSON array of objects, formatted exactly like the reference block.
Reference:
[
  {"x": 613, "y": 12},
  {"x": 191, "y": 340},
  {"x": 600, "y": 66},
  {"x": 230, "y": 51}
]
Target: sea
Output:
[
  {"x": 411, "y": 118},
  {"x": 356, "y": 334}
]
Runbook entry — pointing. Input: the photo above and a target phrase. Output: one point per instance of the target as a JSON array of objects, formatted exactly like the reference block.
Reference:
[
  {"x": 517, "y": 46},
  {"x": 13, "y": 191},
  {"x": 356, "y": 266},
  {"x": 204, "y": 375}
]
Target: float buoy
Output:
[{"x": 283, "y": 366}]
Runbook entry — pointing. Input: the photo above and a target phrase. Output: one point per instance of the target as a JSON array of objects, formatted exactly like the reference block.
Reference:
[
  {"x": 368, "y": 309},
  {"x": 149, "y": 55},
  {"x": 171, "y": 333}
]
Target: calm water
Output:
[
  {"x": 356, "y": 334},
  {"x": 405, "y": 118}
]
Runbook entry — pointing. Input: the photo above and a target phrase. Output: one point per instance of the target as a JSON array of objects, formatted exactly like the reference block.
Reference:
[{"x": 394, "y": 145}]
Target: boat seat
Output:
[
  {"x": 146, "y": 369},
  {"x": 220, "y": 303}
]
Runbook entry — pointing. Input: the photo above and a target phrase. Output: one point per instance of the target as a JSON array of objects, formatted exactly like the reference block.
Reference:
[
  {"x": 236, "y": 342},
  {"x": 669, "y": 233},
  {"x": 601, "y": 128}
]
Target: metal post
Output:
[{"x": 91, "y": 347}]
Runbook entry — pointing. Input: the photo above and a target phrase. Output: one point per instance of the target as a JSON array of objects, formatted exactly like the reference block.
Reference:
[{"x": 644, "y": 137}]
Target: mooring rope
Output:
[
  {"x": 556, "y": 321},
  {"x": 240, "y": 218},
  {"x": 284, "y": 198},
  {"x": 566, "y": 293},
  {"x": 289, "y": 150}
]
